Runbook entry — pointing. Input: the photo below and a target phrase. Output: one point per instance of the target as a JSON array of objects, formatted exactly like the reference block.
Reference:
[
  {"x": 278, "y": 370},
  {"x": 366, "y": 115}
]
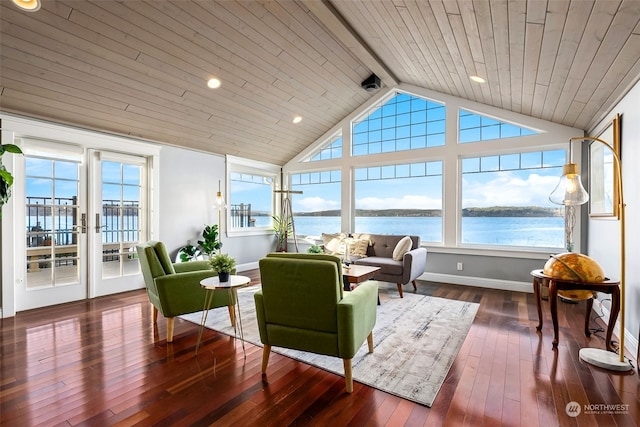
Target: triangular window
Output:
[
  {"x": 332, "y": 149},
  {"x": 475, "y": 127}
]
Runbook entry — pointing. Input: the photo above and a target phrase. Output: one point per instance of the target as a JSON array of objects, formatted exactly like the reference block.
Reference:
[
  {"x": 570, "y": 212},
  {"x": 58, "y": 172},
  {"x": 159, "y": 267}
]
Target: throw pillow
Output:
[
  {"x": 358, "y": 247},
  {"x": 403, "y": 246},
  {"x": 333, "y": 243}
]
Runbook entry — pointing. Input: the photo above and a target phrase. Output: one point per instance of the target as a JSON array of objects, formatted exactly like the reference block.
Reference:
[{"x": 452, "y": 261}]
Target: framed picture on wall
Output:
[{"x": 603, "y": 182}]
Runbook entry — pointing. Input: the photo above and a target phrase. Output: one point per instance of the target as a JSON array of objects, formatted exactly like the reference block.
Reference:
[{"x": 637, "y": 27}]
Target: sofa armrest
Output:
[
  {"x": 356, "y": 318},
  {"x": 414, "y": 264}
]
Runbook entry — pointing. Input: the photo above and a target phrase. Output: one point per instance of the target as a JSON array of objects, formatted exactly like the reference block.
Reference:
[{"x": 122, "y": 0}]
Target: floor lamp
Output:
[
  {"x": 570, "y": 192},
  {"x": 221, "y": 205}
]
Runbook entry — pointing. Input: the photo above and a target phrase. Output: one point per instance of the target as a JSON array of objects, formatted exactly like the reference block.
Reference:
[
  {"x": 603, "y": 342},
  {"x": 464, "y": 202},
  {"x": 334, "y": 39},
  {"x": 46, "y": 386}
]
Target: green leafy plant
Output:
[
  {"x": 222, "y": 263},
  {"x": 282, "y": 227},
  {"x": 314, "y": 249},
  {"x": 188, "y": 252},
  {"x": 210, "y": 243},
  {"x": 6, "y": 179}
]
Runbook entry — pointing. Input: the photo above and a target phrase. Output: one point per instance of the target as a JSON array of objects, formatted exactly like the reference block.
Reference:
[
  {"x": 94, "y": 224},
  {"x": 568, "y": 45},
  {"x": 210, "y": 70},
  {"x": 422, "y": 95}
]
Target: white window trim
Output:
[
  {"x": 238, "y": 164},
  {"x": 551, "y": 136}
]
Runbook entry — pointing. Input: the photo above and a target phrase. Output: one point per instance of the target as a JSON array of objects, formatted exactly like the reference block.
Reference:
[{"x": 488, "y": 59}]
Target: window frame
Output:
[
  {"x": 550, "y": 136},
  {"x": 240, "y": 165},
  {"x": 459, "y": 194}
]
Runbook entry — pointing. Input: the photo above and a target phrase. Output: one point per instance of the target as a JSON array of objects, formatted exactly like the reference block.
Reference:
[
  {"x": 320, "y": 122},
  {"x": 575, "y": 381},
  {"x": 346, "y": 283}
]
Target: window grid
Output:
[
  {"x": 406, "y": 170},
  {"x": 322, "y": 177},
  {"x": 532, "y": 160},
  {"x": 474, "y": 127},
  {"x": 332, "y": 150},
  {"x": 405, "y": 122}
]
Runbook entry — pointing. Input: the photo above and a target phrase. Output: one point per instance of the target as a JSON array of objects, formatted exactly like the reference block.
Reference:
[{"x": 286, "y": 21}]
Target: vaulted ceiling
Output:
[{"x": 140, "y": 68}]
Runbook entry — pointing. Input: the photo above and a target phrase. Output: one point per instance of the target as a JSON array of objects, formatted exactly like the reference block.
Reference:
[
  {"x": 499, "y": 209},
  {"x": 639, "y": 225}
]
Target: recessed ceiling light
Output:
[
  {"x": 297, "y": 119},
  {"x": 477, "y": 79},
  {"x": 213, "y": 83},
  {"x": 28, "y": 5}
]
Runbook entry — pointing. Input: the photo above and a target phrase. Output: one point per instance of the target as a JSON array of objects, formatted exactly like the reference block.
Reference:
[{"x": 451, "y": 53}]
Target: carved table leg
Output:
[
  {"x": 536, "y": 295},
  {"x": 586, "y": 317},
  {"x": 615, "y": 309}
]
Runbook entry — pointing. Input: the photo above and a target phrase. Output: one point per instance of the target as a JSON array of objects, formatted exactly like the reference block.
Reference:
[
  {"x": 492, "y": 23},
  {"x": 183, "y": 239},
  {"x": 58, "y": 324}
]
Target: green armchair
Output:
[
  {"x": 302, "y": 306},
  {"x": 175, "y": 289}
]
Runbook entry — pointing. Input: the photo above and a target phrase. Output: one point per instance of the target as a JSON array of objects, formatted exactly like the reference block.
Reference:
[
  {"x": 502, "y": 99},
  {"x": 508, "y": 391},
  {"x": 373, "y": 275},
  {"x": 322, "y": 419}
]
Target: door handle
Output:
[
  {"x": 98, "y": 226},
  {"x": 83, "y": 224}
]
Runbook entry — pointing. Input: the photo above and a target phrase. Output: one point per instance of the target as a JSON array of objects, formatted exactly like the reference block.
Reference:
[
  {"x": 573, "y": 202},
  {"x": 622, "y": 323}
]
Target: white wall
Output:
[
  {"x": 188, "y": 186},
  {"x": 603, "y": 241}
]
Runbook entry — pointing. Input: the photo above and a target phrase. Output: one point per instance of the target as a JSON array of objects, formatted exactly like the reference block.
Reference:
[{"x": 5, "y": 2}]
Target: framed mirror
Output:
[{"x": 603, "y": 181}]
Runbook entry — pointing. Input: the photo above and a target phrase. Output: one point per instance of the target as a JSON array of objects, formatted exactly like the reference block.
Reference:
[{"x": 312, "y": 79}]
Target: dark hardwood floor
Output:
[{"x": 102, "y": 362}]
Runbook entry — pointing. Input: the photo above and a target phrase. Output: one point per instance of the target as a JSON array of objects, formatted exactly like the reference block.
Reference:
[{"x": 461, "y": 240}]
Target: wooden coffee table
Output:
[{"x": 355, "y": 274}]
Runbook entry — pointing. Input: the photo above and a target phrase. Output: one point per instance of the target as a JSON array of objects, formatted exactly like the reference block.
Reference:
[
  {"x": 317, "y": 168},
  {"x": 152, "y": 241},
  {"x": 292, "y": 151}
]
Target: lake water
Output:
[{"x": 532, "y": 232}]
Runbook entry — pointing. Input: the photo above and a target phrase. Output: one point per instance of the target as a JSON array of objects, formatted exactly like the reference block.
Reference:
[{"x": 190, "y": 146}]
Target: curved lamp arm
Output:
[{"x": 621, "y": 207}]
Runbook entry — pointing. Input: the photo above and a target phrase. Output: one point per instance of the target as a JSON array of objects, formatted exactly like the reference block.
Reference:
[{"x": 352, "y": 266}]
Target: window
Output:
[
  {"x": 318, "y": 209},
  {"x": 505, "y": 200},
  {"x": 400, "y": 199},
  {"x": 250, "y": 203},
  {"x": 331, "y": 150},
  {"x": 405, "y": 122},
  {"x": 474, "y": 127}
]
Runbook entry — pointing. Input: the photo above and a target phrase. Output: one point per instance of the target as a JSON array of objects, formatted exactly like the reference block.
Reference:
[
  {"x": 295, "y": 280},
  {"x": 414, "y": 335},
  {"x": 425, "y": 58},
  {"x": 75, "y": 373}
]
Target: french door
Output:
[
  {"x": 118, "y": 213},
  {"x": 84, "y": 213}
]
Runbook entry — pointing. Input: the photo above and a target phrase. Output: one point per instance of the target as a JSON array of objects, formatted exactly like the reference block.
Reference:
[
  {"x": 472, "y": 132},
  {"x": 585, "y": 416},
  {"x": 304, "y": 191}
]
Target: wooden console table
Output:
[{"x": 611, "y": 287}]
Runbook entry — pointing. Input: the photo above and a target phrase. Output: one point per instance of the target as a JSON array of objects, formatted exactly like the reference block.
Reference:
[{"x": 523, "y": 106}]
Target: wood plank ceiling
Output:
[{"x": 140, "y": 68}]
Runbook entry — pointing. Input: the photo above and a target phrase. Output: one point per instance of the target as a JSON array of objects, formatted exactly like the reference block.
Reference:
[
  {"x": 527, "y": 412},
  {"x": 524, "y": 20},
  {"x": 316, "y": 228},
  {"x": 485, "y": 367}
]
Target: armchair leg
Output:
[
  {"x": 170, "y": 328},
  {"x": 155, "y": 314},
  {"x": 348, "y": 375},
  {"x": 266, "y": 350},
  {"x": 415, "y": 287},
  {"x": 232, "y": 315},
  {"x": 400, "y": 290},
  {"x": 370, "y": 342}
]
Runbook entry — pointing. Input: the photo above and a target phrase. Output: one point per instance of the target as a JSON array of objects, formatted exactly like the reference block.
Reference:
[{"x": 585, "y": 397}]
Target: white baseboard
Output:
[
  {"x": 247, "y": 266},
  {"x": 480, "y": 282}
]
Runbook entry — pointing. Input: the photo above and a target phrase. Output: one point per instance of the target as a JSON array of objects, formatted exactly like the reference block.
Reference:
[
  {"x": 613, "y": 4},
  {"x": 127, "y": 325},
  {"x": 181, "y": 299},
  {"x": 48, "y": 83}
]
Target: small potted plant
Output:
[
  {"x": 223, "y": 264},
  {"x": 314, "y": 249}
]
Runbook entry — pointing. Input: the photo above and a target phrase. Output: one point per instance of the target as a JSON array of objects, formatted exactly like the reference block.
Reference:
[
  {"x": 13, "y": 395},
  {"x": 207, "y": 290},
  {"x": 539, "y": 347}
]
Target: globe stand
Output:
[{"x": 604, "y": 359}]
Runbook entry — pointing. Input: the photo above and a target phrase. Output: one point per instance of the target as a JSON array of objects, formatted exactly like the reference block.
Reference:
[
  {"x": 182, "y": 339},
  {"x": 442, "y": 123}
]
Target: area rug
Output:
[{"x": 416, "y": 339}]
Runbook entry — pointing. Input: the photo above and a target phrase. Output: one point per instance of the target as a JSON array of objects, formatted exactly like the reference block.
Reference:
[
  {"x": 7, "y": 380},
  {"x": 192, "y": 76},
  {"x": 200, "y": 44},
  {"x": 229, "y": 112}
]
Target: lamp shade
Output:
[{"x": 569, "y": 191}]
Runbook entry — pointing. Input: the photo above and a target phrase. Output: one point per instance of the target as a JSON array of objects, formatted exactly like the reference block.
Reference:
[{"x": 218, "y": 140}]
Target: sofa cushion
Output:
[
  {"x": 358, "y": 247},
  {"x": 334, "y": 243},
  {"x": 387, "y": 265},
  {"x": 403, "y": 246}
]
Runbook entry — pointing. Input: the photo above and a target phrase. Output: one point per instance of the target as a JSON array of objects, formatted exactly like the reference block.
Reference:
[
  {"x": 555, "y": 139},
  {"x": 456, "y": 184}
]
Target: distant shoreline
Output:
[{"x": 494, "y": 211}]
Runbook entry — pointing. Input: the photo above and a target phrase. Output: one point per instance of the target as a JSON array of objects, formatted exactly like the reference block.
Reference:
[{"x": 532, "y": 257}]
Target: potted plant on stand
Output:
[
  {"x": 282, "y": 227},
  {"x": 224, "y": 265}
]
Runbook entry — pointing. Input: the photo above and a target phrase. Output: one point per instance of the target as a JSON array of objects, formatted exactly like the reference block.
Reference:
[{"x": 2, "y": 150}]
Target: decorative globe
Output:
[{"x": 574, "y": 266}]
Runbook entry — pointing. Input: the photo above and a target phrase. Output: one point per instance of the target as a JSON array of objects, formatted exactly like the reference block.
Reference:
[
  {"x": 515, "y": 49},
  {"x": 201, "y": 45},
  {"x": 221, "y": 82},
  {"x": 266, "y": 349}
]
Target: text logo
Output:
[{"x": 573, "y": 409}]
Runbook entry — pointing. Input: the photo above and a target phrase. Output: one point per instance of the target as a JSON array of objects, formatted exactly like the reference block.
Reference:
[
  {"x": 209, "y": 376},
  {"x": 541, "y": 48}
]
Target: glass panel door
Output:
[
  {"x": 55, "y": 267},
  {"x": 120, "y": 219}
]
